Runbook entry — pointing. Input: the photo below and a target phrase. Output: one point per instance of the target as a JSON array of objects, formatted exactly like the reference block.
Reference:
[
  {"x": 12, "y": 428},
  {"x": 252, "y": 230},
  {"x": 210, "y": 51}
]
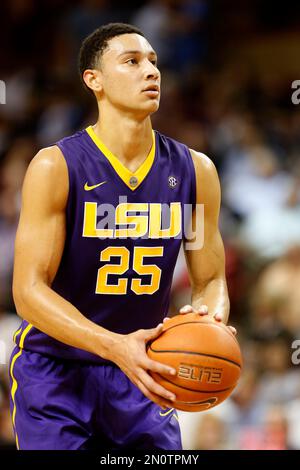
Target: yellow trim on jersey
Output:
[
  {"x": 14, "y": 381},
  {"x": 16, "y": 334},
  {"x": 119, "y": 168}
]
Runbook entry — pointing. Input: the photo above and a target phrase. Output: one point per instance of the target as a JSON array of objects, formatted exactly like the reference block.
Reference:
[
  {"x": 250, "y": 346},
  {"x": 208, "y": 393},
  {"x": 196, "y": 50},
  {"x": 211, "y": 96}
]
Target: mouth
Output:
[{"x": 151, "y": 90}]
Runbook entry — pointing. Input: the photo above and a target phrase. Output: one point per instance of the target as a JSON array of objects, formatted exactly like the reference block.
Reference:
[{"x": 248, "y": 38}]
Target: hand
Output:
[
  {"x": 129, "y": 353},
  {"x": 203, "y": 310}
]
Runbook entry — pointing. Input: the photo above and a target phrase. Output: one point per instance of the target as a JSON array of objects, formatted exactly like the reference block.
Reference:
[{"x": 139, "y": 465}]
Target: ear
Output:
[{"x": 93, "y": 80}]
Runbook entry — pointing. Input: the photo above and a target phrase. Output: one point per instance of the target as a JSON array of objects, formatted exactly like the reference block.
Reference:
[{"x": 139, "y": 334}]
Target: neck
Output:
[{"x": 128, "y": 138}]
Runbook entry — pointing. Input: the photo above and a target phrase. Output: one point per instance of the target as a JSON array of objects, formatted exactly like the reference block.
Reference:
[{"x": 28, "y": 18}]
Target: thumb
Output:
[{"x": 153, "y": 333}]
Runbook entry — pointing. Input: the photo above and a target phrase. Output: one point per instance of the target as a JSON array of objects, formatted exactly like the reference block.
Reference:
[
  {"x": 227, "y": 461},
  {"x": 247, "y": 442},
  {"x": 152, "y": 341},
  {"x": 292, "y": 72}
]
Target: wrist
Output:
[{"x": 105, "y": 344}]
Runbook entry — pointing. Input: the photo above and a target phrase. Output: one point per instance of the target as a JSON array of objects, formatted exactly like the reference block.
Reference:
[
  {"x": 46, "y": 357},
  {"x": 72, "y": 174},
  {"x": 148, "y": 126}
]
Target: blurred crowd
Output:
[{"x": 227, "y": 69}]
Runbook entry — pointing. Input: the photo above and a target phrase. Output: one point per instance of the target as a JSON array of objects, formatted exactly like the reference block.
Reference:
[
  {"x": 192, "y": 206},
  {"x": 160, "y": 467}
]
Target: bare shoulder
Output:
[
  {"x": 202, "y": 163},
  {"x": 208, "y": 185},
  {"x": 47, "y": 176},
  {"x": 48, "y": 160}
]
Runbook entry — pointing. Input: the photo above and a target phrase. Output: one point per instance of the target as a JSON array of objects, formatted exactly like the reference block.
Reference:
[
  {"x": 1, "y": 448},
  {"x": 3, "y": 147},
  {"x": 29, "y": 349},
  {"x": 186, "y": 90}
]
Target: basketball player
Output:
[{"x": 91, "y": 295}]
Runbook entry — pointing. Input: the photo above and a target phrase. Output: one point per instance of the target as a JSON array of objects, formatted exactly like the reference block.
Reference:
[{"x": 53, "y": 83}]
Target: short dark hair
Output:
[{"x": 94, "y": 45}]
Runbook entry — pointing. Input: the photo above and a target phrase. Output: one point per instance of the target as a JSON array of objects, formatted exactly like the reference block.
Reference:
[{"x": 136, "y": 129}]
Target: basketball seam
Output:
[
  {"x": 194, "y": 353},
  {"x": 192, "y": 390}
]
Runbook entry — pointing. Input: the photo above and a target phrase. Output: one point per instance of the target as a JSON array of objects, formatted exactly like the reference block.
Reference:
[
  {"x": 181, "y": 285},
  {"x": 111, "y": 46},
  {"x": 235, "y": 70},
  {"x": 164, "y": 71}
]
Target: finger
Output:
[
  {"x": 203, "y": 310},
  {"x": 158, "y": 367},
  {"x": 166, "y": 319},
  {"x": 218, "y": 317},
  {"x": 232, "y": 329},
  {"x": 186, "y": 309},
  {"x": 153, "y": 397},
  {"x": 154, "y": 387},
  {"x": 153, "y": 332}
]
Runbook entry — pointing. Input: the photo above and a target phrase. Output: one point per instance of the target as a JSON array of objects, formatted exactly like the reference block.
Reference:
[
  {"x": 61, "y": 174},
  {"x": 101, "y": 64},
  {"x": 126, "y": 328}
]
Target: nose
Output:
[{"x": 151, "y": 71}]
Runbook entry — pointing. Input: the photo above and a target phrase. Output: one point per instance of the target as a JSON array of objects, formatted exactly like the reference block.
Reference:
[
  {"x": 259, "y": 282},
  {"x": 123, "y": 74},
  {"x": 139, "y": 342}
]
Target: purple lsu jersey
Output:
[{"x": 123, "y": 234}]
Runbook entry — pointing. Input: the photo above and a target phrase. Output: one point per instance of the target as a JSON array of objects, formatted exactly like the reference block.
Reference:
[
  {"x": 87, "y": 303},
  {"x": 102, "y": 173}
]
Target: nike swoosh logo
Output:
[
  {"x": 166, "y": 412},
  {"x": 206, "y": 403},
  {"x": 89, "y": 188}
]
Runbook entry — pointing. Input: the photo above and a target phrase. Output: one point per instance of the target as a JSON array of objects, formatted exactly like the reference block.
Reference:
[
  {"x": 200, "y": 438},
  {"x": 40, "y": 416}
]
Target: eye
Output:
[
  {"x": 131, "y": 61},
  {"x": 154, "y": 62}
]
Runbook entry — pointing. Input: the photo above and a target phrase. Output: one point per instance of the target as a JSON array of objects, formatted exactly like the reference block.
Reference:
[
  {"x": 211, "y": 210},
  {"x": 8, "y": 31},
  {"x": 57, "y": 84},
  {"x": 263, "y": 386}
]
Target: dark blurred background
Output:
[{"x": 227, "y": 72}]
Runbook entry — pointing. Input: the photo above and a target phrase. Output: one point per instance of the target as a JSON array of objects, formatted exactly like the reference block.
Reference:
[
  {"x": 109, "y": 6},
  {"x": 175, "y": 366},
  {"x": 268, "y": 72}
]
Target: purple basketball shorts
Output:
[{"x": 63, "y": 405}]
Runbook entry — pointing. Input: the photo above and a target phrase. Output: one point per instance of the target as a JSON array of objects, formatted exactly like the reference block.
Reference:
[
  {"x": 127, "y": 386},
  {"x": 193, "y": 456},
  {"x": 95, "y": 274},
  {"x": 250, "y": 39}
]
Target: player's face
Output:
[{"x": 130, "y": 77}]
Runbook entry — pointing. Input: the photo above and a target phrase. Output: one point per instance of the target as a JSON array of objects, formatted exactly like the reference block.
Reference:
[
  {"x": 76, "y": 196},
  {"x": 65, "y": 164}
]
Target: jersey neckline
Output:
[{"x": 124, "y": 173}]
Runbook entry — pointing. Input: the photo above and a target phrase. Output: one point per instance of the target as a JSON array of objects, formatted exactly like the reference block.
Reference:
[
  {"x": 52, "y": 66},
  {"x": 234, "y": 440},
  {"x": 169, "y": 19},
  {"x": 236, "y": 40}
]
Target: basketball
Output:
[{"x": 206, "y": 356}]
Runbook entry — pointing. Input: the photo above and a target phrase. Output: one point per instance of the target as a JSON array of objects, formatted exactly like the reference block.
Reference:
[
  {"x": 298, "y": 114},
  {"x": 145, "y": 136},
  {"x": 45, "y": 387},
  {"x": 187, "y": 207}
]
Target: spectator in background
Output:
[
  {"x": 176, "y": 30},
  {"x": 211, "y": 433},
  {"x": 275, "y": 429},
  {"x": 241, "y": 412},
  {"x": 84, "y": 17},
  {"x": 280, "y": 380},
  {"x": 254, "y": 181},
  {"x": 271, "y": 435},
  {"x": 276, "y": 297},
  {"x": 152, "y": 18},
  {"x": 60, "y": 117}
]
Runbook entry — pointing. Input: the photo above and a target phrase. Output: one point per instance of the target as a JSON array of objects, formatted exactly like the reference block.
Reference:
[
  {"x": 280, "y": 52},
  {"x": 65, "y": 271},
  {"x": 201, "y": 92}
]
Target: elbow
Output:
[
  {"x": 22, "y": 296},
  {"x": 19, "y": 297}
]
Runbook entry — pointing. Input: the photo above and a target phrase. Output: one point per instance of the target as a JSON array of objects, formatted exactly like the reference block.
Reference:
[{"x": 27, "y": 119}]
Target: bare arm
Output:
[
  {"x": 207, "y": 265},
  {"x": 38, "y": 250}
]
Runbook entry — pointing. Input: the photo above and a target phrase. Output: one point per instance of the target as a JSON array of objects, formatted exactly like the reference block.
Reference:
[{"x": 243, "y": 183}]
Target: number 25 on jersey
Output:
[{"x": 140, "y": 253}]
